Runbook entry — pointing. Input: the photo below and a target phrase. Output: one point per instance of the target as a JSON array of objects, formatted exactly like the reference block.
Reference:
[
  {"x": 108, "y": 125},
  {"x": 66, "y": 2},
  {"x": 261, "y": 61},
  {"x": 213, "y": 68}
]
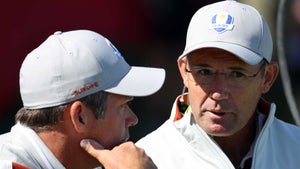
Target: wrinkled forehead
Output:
[{"x": 212, "y": 55}]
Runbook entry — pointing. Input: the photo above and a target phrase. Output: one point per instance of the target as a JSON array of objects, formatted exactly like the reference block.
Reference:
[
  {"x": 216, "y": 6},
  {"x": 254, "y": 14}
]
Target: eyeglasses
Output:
[{"x": 205, "y": 75}]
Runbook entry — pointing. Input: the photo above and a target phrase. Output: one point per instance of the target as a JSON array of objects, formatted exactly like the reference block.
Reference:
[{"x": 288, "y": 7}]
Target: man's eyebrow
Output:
[
  {"x": 234, "y": 68},
  {"x": 238, "y": 68},
  {"x": 130, "y": 99},
  {"x": 201, "y": 65}
]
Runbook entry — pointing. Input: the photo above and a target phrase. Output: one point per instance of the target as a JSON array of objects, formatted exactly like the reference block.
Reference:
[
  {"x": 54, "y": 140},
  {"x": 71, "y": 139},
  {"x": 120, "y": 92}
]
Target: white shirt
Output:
[{"x": 24, "y": 146}]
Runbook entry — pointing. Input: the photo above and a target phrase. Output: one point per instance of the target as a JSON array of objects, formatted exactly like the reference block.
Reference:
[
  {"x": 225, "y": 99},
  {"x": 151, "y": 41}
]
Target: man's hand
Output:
[{"x": 123, "y": 156}]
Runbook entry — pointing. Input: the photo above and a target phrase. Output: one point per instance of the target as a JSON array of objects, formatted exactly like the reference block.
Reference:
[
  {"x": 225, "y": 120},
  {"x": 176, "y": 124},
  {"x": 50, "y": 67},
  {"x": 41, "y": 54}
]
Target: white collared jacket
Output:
[{"x": 181, "y": 144}]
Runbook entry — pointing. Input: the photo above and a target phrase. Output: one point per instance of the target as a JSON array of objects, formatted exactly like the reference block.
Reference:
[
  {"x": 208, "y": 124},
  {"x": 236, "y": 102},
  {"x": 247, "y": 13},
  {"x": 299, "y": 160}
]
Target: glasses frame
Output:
[{"x": 262, "y": 66}]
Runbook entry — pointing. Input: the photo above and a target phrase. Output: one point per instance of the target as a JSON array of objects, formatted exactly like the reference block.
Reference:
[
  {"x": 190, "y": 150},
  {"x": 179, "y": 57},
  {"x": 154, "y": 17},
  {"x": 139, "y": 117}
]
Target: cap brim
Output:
[
  {"x": 243, "y": 53},
  {"x": 139, "y": 81}
]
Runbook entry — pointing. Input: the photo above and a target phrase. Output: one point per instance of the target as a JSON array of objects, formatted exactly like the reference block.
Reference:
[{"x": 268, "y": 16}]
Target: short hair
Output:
[{"x": 45, "y": 118}]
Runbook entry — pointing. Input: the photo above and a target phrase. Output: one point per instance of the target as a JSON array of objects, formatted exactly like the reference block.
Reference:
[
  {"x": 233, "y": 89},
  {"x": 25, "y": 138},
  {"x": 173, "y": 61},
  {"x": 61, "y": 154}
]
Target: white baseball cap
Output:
[
  {"x": 232, "y": 26},
  {"x": 71, "y": 65}
]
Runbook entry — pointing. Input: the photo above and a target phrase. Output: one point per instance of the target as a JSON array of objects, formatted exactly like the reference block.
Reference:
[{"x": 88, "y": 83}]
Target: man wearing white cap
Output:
[
  {"x": 76, "y": 86},
  {"x": 222, "y": 121}
]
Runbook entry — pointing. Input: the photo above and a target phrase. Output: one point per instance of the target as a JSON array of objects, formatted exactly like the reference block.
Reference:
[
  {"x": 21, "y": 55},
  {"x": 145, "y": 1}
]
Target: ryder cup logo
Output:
[
  {"x": 222, "y": 22},
  {"x": 114, "y": 48}
]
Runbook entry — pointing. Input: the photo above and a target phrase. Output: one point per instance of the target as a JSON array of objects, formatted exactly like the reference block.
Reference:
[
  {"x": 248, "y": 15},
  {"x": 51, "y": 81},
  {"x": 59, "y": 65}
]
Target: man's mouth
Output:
[{"x": 218, "y": 113}]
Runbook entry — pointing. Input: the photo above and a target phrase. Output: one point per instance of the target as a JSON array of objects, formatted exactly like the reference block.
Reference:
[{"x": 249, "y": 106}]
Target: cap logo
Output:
[
  {"x": 222, "y": 22},
  {"x": 85, "y": 88},
  {"x": 114, "y": 48}
]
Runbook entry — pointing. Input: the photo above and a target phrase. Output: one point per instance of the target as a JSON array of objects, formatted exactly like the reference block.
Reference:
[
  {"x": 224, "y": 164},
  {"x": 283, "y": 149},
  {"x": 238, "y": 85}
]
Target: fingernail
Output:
[{"x": 84, "y": 143}]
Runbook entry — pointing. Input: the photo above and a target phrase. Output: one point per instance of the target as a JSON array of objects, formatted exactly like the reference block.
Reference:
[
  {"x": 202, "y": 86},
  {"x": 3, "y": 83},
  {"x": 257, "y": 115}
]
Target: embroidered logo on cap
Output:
[
  {"x": 85, "y": 88},
  {"x": 222, "y": 22}
]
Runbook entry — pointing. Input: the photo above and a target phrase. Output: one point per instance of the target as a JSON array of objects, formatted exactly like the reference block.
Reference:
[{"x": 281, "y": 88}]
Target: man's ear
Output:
[
  {"x": 79, "y": 116},
  {"x": 271, "y": 72},
  {"x": 181, "y": 66}
]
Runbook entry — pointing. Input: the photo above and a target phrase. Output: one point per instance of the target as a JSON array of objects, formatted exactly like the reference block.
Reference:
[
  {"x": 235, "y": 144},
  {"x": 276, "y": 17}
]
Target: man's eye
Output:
[
  {"x": 205, "y": 72},
  {"x": 126, "y": 104},
  {"x": 129, "y": 103},
  {"x": 237, "y": 74}
]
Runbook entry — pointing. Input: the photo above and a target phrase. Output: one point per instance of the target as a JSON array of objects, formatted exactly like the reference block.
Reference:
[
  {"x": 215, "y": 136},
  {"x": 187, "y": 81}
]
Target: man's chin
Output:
[{"x": 118, "y": 143}]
